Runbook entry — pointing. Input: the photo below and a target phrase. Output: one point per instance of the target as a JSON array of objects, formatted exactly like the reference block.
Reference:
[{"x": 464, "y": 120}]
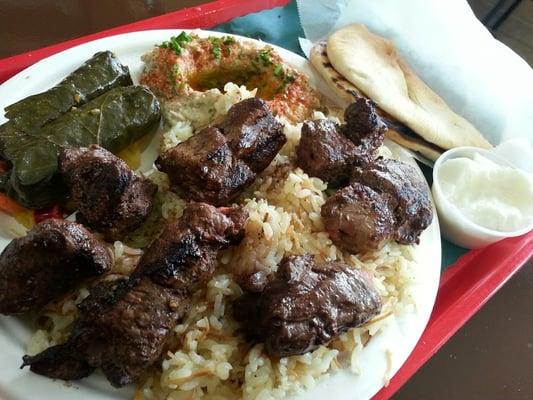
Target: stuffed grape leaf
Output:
[
  {"x": 113, "y": 120},
  {"x": 100, "y": 73}
]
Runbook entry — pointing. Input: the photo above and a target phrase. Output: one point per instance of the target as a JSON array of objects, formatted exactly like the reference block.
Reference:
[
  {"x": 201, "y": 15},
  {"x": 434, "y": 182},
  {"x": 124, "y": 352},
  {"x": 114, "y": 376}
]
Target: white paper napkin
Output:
[{"x": 443, "y": 41}]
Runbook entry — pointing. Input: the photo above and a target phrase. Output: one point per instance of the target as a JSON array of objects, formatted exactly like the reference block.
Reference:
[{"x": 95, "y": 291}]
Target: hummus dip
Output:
[{"x": 188, "y": 64}]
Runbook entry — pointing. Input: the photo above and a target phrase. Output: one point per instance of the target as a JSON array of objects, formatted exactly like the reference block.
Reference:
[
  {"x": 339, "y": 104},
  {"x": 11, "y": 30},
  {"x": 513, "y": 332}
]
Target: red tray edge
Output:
[{"x": 465, "y": 286}]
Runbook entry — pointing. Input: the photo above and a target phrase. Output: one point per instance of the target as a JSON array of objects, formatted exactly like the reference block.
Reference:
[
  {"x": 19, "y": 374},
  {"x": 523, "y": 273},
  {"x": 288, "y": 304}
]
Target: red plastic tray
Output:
[{"x": 465, "y": 286}]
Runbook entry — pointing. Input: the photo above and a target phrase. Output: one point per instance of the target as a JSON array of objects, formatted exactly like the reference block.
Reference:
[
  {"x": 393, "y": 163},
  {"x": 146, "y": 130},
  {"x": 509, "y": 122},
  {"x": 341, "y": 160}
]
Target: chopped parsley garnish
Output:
[
  {"x": 285, "y": 78},
  {"x": 264, "y": 56},
  {"x": 216, "y": 50},
  {"x": 228, "y": 40},
  {"x": 278, "y": 70},
  {"x": 183, "y": 37},
  {"x": 288, "y": 79},
  {"x": 217, "y": 43},
  {"x": 176, "y": 43}
]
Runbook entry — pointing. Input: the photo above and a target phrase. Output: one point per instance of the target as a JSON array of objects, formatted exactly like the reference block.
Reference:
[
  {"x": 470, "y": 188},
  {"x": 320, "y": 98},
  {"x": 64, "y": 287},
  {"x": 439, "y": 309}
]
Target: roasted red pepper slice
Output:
[{"x": 47, "y": 213}]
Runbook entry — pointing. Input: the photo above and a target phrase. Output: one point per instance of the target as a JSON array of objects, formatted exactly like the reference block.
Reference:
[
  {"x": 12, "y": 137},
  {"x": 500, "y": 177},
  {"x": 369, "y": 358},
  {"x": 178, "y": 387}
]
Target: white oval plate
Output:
[{"x": 379, "y": 360}]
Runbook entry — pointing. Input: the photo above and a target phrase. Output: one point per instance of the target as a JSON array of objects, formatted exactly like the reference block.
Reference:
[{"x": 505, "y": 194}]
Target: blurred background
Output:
[
  {"x": 31, "y": 24},
  {"x": 510, "y": 21}
]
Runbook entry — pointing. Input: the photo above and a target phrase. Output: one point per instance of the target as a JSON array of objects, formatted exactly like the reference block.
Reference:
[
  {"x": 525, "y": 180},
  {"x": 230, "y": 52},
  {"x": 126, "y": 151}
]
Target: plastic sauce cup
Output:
[{"x": 455, "y": 226}]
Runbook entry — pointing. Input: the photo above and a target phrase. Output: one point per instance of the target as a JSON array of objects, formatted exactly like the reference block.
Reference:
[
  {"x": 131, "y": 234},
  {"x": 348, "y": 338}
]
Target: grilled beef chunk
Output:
[
  {"x": 204, "y": 168},
  {"x": 254, "y": 135},
  {"x": 387, "y": 200},
  {"x": 364, "y": 127},
  {"x": 358, "y": 218},
  {"x": 184, "y": 255},
  {"x": 325, "y": 153},
  {"x": 121, "y": 328},
  {"x": 122, "y": 325},
  {"x": 307, "y": 305},
  {"x": 110, "y": 197},
  {"x": 59, "y": 362},
  {"x": 54, "y": 256},
  {"x": 413, "y": 211},
  {"x": 219, "y": 162},
  {"x": 330, "y": 151}
]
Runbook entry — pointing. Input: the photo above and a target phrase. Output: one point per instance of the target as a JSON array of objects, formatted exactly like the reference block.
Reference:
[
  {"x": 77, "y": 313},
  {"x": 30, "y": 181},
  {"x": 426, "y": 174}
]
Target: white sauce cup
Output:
[{"x": 454, "y": 225}]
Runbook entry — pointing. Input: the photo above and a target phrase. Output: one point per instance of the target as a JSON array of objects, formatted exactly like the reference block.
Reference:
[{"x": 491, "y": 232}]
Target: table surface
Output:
[{"x": 491, "y": 357}]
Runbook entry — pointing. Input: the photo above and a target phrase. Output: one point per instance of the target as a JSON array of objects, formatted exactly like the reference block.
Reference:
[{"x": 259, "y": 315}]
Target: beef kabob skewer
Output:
[
  {"x": 377, "y": 199},
  {"x": 123, "y": 324}
]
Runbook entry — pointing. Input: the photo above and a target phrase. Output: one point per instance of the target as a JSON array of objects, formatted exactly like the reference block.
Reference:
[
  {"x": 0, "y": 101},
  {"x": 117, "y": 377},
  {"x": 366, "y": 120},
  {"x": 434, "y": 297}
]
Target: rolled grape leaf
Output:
[
  {"x": 113, "y": 120},
  {"x": 96, "y": 76}
]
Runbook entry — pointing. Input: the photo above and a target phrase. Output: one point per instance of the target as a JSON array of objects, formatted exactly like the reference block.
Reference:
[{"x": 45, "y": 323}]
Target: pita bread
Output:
[
  {"x": 348, "y": 93},
  {"x": 372, "y": 65}
]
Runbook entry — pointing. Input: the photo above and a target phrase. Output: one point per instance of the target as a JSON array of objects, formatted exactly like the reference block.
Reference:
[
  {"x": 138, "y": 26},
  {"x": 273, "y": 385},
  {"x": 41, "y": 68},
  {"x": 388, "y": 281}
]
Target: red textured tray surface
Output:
[{"x": 465, "y": 286}]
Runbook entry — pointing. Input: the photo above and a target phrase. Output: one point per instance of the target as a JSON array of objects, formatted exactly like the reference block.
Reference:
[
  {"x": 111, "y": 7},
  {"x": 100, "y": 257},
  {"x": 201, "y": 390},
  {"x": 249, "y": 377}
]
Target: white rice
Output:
[{"x": 207, "y": 357}]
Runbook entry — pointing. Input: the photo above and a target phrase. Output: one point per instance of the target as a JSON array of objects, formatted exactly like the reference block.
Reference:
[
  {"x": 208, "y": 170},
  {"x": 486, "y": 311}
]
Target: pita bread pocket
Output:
[
  {"x": 348, "y": 93},
  {"x": 356, "y": 62}
]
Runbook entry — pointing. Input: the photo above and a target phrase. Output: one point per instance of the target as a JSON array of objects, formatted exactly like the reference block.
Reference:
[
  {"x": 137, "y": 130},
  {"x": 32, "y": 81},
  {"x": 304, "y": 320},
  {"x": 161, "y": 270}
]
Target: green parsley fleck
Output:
[
  {"x": 285, "y": 78},
  {"x": 264, "y": 56},
  {"x": 289, "y": 79},
  {"x": 183, "y": 37},
  {"x": 278, "y": 70},
  {"x": 216, "y": 50},
  {"x": 228, "y": 40},
  {"x": 176, "y": 43}
]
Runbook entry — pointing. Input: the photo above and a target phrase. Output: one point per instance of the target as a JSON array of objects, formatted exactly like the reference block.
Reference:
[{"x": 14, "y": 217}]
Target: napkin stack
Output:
[{"x": 478, "y": 76}]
